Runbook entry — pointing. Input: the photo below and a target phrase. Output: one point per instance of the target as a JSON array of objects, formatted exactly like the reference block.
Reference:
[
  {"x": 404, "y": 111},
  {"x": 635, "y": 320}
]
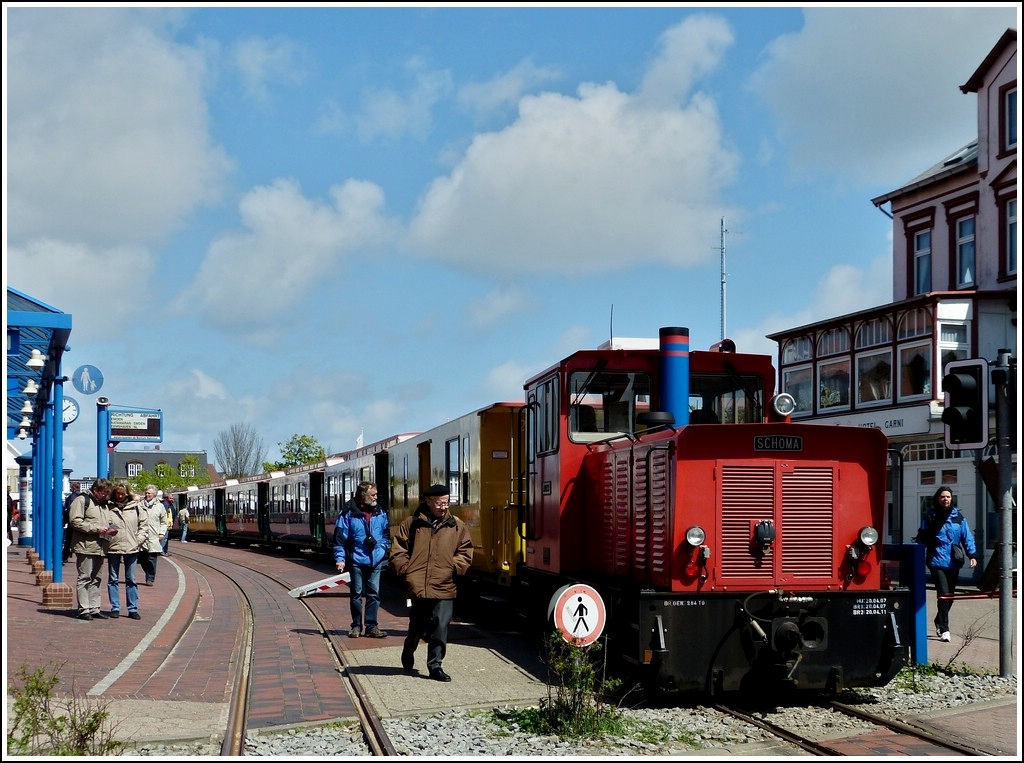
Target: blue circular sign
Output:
[{"x": 87, "y": 379}]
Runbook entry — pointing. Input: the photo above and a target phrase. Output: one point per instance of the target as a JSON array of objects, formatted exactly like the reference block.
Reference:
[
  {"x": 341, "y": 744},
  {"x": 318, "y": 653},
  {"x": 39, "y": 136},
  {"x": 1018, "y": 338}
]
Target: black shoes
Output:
[
  {"x": 85, "y": 616},
  {"x": 114, "y": 614},
  {"x": 407, "y": 662},
  {"x": 134, "y": 615},
  {"x": 100, "y": 615},
  {"x": 439, "y": 675},
  {"x": 376, "y": 633}
]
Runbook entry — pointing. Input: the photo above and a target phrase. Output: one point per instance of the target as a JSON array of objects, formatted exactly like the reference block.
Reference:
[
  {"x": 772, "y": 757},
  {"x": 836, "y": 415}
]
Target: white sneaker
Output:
[{"x": 945, "y": 636}]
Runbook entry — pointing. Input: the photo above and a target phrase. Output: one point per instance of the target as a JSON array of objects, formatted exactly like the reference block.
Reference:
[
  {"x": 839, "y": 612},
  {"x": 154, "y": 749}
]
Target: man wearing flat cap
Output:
[{"x": 429, "y": 549}]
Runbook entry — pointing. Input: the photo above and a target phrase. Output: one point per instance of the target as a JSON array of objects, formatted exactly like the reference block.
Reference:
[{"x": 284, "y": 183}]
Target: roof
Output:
[
  {"x": 32, "y": 325},
  {"x": 963, "y": 159},
  {"x": 977, "y": 80}
]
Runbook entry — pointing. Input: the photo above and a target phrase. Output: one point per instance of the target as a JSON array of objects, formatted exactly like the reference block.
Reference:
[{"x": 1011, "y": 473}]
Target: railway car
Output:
[
  {"x": 477, "y": 456},
  {"x": 295, "y": 508},
  {"x": 734, "y": 549}
]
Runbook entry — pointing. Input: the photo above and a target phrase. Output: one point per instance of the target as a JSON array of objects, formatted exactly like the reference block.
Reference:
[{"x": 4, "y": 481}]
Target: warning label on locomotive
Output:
[{"x": 778, "y": 442}]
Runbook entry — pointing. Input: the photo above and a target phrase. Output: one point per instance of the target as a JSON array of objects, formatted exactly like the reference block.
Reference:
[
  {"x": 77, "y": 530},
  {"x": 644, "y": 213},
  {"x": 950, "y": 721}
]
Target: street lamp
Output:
[
  {"x": 30, "y": 388},
  {"x": 36, "y": 361},
  {"x": 27, "y": 407}
]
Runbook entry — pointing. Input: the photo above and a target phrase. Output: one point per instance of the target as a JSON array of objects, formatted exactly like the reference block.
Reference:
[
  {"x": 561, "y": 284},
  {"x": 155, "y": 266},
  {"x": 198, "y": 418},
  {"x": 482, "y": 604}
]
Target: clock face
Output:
[{"x": 70, "y": 410}]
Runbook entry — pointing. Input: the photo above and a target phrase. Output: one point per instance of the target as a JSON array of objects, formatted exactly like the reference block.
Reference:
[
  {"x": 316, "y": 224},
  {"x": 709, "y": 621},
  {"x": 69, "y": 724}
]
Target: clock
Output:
[{"x": 70, "y": 410}]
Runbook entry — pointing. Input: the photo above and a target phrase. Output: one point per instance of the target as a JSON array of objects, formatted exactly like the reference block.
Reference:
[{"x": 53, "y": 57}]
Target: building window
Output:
[
  {"x": 1010, "y": 233},
  {"x": 1009, "y": 122},
  {"x": 833, "y": 342},
  {"x": 915, "y": 371},
  {"x": 874, "y": 377},
  {"x": 187, "y": 469},
  {"x": 952, "y": 343},
  {"x": 922, "y": 262},
  {"x": 834, "y": 384},
  {"x": 133, "y": 468},
  {"x": 965, "y": 252},
  {"x": 799, "y": 383},
  {"x": 874, "y": 332},
  {"x": 162, "y": 469},
  {"x": 915, "y": 323},
  {"x": 797, "y": 350}
]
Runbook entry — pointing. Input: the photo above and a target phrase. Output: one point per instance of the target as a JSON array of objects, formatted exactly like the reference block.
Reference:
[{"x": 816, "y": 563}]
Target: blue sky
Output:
[{"x": 336, "y": 219}]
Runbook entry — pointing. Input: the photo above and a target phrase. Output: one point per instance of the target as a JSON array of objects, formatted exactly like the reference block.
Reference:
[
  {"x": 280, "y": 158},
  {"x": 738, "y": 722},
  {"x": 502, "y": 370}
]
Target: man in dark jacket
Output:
[{"x": 430, "y": 548}]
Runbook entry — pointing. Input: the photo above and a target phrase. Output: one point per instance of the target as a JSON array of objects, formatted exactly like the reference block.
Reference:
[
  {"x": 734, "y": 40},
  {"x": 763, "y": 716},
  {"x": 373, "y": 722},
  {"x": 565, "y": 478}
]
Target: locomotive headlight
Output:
[
  {"x": 868, "y": 536},
  {"x": 695, "y": 536},
  {"x": 783, "y": 404}
]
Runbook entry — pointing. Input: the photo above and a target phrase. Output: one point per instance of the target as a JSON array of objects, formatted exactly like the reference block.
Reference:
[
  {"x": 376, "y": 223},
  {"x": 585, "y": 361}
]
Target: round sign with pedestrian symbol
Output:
[{"x": 579, "y": 613}]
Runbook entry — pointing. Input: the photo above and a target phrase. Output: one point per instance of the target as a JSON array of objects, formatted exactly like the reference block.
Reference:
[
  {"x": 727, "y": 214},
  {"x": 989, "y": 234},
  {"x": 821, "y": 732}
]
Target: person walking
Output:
[
  {"x": 950, "y": 545},
  {"x": 168, "y": 504},
  {"x": 89, "y": 521},
  {"x": 157, "y": 518},
  {"x": 132, "y": 525},
  {"x": 183, "y": 517},
  {"x": 68, "y": 536},
  {"x": 431, "y": 547},
  {"x": 362, "y": 539}
]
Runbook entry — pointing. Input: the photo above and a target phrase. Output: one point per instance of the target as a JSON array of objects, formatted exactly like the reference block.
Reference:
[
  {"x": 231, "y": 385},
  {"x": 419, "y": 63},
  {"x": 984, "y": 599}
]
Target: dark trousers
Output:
[
  {"x": 147, "y": 560},
  {"x": 429, "y": 620},
  {"x": 945, "y": 583}
]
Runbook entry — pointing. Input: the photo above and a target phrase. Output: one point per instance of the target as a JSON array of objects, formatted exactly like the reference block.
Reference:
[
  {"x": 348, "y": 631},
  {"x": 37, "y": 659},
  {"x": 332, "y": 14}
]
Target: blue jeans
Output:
[
  {"x": 184, "y": 531},
  {"x": 131, "y": 588},
  {"x": 365, "y": 582}
]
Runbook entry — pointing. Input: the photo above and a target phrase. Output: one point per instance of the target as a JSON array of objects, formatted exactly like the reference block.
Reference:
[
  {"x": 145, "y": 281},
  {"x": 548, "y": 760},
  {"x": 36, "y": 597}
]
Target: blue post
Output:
[{"x": 912, "y": 576}]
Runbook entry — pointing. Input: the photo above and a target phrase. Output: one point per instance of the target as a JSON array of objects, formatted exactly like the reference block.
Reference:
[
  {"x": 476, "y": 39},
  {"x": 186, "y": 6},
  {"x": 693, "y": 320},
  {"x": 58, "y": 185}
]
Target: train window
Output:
[
  {"x": 604, "y": 404},
  {"x": 731, "y": 398},
  {"x": 453, "y": 470},
  {"x": 545, "y": 430}
]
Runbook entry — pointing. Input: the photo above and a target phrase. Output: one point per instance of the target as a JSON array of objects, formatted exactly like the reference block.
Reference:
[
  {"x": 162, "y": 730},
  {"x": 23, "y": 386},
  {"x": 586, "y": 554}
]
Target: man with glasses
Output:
[{"x": 430, "y": 548}]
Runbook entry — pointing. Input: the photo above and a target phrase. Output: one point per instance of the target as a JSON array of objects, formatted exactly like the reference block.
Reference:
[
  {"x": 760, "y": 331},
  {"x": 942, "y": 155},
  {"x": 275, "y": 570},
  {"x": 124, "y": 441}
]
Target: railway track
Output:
[
  {"x": 377, "y": 740},
  {"x": 878, "y": 735}
]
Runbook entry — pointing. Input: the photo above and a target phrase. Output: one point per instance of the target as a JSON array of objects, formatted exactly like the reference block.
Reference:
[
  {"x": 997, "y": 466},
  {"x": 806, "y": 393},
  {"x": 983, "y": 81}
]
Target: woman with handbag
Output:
[{"x": 950, "y": 544}]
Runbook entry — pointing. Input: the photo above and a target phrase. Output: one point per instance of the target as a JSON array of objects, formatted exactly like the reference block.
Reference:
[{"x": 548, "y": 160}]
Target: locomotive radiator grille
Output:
[
  {"x": 807, "y": 522},
  {"x": 799, "y": 501},
  {"x": 748, "y": 493}
]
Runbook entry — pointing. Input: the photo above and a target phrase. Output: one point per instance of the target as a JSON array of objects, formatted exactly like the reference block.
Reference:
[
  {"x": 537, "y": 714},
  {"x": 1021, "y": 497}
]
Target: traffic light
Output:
[{"x": 965, "y": 393}]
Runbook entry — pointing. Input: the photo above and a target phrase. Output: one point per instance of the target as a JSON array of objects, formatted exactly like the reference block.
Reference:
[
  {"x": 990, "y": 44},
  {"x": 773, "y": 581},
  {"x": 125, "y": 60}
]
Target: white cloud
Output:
[
  {"x": 262, "y": 62},
  {"x": 95, "y": 285},
  {"x": 844, "y": 289},
  {"x": 250, "y": 280},
  {"x": 499, "y": 305},
  {"x": 394, "y": 114},
  {"x": 592, "y": 183},
  {"x": 486, "y": 98},
  {"x": 107, "y": 128},
  {"x": 884, "y": 104}
]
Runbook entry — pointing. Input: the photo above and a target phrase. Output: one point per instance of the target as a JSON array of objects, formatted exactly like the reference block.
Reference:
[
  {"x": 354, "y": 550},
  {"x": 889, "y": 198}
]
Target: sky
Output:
[{"x": 351, "y": 220}]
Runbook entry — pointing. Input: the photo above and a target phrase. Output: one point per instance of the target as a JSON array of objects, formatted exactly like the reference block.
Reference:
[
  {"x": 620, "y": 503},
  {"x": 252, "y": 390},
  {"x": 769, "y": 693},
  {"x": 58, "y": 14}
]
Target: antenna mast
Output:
[{"x": 721, "y": 249}]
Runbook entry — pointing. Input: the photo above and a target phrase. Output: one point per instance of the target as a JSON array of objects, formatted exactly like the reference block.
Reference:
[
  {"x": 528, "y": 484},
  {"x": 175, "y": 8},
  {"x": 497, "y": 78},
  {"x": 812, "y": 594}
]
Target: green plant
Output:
[
  {"x": 575, "y": 706},
  {"x": 42, "y": 724}
]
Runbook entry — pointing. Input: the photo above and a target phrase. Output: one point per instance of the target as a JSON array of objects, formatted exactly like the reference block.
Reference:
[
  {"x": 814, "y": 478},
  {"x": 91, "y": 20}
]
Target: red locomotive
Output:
[{"x": 734, "y": 550}]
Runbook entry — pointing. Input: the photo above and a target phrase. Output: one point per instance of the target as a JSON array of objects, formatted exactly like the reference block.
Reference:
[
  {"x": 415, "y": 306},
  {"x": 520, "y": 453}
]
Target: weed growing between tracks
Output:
[
  {"x": 43, "y": 724},
  {"x": 575, "y": 707}
]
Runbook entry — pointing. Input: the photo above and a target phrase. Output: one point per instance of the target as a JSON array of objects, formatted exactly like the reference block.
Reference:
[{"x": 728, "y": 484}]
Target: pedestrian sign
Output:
[{"x": 579, "y": 613}]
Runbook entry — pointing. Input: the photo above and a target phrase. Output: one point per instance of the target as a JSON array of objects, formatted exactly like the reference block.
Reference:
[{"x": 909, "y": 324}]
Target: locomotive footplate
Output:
[{"x": 773, "y": 640}]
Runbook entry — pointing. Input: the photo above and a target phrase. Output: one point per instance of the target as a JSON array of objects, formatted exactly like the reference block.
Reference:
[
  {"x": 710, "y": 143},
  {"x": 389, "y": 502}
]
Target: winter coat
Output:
[
  {"x": 430, "y": 552},
  {"x": 86, "y": 518},
  {"x": 132, "y": 525},
  {"x": 941, "y": 538},
  {"x": 157, "y": 525},
  {"x": 353, "y": 533}
]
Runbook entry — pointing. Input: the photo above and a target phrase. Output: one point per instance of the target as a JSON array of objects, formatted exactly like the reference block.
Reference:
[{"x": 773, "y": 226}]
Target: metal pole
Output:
[{"x": 1003, "y": 378}]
